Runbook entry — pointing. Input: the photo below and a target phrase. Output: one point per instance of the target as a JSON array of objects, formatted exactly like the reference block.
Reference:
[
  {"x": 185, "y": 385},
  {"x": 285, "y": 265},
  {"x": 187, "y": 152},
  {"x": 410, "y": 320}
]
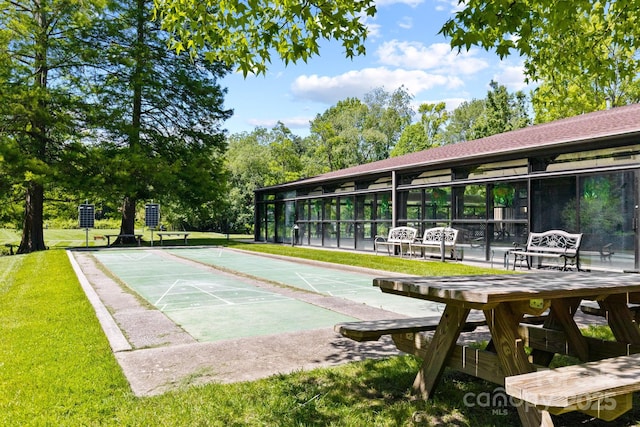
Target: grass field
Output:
[{"x": 57, "y": 369}]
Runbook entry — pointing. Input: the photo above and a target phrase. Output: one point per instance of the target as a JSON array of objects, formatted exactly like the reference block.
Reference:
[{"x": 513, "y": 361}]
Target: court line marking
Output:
[
  {"x": 307, "y": 282},
  {"x": 212, "y": 295},
  {"x": 166, "y": 292}
]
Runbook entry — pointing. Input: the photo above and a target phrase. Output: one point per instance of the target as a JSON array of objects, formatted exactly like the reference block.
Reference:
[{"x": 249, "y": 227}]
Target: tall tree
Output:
[
  {"x": 40, "y": 106},
  {"x": 159, "y": 125},
  {"x": 503, "y": 112},
  {"x": 462, "y": 121},
  {"x": 340, "y": 131},
  {"x": 583, "y": 53},
  {"x": 245, "y": 34},
  {"x": 427, "y": 133},
  {"x": 388, "y": 114}
]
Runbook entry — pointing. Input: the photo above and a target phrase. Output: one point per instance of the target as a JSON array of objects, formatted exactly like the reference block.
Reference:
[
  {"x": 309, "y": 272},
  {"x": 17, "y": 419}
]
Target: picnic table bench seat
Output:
[
  {"x": 549, "y": 244},
  {"x": 398, "y": 237},
  {"x": 602, "y": 389},
  {"x": 433, "y": 238},
  {"x": 372, "y": 330},
  {"x": 593, "y": 308}
]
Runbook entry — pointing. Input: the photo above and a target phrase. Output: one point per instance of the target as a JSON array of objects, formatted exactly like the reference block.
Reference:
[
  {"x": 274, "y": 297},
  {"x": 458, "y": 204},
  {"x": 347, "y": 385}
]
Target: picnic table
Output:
[{"x": 506, "y": 301}]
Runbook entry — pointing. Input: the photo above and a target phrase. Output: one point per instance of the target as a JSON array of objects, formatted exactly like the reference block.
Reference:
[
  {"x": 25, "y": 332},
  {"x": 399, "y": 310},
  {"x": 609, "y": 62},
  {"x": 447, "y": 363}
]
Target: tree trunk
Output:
[
  {"x": 128, "y": 222},
  {"x": 32, "y": 226}
]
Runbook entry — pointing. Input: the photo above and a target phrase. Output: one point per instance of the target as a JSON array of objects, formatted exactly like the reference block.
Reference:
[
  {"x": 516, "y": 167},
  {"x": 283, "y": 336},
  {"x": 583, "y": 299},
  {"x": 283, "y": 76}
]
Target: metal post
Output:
[{"x": 442, "y": 245}]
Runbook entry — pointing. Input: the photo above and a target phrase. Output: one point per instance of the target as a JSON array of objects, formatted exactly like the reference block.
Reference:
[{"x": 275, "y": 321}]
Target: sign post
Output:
[
  {"x": 152, "y": 217},
  {"x": 86, "y": 219}
]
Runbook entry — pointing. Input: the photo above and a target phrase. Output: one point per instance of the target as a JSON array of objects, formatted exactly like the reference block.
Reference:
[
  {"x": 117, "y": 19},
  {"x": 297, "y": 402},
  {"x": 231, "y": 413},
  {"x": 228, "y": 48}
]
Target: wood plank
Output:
[
  {"x": 503, "y": 322},
  {"x": 513, "y": 287},
  {"x": 372, "y": 330},
  {"x": 563, "y": 311},
  {"x": 578, "y": 387},
  {"x": 479, "y": 363},
  {"x": 620, "y": 319},
  {"x": 439, "y": 349}
]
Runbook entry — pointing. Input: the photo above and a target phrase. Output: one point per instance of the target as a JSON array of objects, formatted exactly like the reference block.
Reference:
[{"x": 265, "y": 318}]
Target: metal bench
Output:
[
  {"x": 550, "y": 244},
  {"x": 602, "y": 389},
  {"x": 441, "y": 238},
  {"x": 400, "y": 237}
]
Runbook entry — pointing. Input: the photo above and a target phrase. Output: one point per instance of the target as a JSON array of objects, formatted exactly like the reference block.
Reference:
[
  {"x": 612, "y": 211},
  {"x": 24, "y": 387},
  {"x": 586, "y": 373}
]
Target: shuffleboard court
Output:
[
  {"x": 213, "y": 306},
  {"x": 350, "y": 285}
]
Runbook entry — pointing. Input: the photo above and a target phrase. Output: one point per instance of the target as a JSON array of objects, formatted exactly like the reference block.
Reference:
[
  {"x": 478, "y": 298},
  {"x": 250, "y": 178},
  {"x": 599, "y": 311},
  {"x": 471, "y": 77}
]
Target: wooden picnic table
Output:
[{"x": 505, "y": 300}]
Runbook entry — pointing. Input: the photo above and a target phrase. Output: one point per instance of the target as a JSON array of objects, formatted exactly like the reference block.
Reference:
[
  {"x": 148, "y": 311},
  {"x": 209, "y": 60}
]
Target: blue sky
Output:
[{"x": 403, "y": 48}]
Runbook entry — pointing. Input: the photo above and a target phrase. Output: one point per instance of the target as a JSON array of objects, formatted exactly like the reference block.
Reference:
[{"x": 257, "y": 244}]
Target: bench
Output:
[
  {"x": 372, "y": 330},
  {"x": 401, "y": 237},
  {"x": 594, "y": 309},
  {"x": 173, "y": 233},
  {"x": 549, "y": 244},
  {"x": 606, "y": 252},
  {"x": 440, "y": 238},
  {"x": 109, "y": 236},
  {"x": 602, "y": 389}
]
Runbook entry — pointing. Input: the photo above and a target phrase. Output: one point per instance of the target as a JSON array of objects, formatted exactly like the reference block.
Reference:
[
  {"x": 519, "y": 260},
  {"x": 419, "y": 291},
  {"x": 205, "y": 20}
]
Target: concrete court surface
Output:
[{"x": 157, "y": 355}]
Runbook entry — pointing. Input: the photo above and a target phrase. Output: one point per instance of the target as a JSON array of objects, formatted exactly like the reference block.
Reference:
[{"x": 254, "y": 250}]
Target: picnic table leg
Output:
[
  {"x": 503, "y": 323},
  {"x": 440, "y": 347},
  {"x": 620, "y": 319}
]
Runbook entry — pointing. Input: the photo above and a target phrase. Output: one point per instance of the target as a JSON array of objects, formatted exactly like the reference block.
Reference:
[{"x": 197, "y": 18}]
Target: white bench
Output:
[
  {"x": 602, "y": 389},
  {"x": 550, "y": 244},
  {"x": 433, "y": 238},
  {"x": 401, "y": 237}
]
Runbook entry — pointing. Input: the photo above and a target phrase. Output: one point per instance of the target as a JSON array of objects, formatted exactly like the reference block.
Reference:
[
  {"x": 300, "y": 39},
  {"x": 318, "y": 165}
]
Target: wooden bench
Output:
[
  {"x": 173, "y": 233},
  {"x": 138, "y": 237},
  {"x": 400, "y": 237},
  {"x": 549, "y": 244},
  {"x": 372, "y": 330},
  {"x": 602, "y": 389},
  {"x": 440, "y": 238},
  {"x": 594, "y": 309}
]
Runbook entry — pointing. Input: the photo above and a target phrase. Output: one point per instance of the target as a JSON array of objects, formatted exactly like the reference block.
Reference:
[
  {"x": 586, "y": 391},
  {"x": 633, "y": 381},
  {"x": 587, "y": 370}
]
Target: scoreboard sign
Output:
[
  {"x": 152, "y": 215},
  {"x": 86, "y": 215}
]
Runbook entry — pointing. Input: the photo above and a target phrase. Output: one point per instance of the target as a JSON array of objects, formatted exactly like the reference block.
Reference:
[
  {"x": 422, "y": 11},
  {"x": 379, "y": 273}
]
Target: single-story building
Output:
[{"x": 580, "y": 174}]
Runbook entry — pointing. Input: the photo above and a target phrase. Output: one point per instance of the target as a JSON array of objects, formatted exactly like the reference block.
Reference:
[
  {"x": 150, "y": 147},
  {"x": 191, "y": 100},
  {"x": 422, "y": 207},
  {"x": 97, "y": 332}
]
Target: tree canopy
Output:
[
  {"x": 244, "y": 34},
  {"x": 583, "y": 54}
]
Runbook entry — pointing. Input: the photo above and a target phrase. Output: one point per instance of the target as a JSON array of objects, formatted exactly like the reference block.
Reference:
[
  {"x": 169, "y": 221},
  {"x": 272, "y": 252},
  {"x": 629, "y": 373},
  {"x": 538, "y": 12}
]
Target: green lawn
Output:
[{"x": 57, "y": 369}]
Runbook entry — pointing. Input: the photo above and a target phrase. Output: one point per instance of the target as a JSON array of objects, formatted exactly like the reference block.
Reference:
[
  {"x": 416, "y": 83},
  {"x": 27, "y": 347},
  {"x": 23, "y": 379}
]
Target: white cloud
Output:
[
  {"x": 512, "y": 76},
  {"x": 291, "y": 122},
  {"x": 451, "y": 6},
  {"x": 437, "y": 56},
  {"x": 356, "y": 83},
  {"x": 411, "y": 3},
  {"x": 406, "y": 23}
]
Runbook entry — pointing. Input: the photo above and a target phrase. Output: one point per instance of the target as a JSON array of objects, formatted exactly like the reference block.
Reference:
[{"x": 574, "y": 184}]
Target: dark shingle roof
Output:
[{"x": 616, "y": 122}]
